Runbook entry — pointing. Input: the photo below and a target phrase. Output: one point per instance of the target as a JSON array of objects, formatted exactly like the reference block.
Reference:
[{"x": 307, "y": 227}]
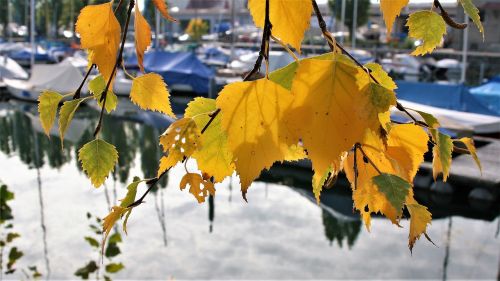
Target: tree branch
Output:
[
  {"x": 446, "y": 17},
  {"x": 78, "y": 91},
  {"x": 118, "y": 61}
]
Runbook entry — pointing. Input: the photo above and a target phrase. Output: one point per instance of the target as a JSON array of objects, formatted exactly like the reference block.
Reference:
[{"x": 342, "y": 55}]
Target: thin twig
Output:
[
  {"x": 355, "y": 167},
  {"x": 359, "y": 146},
  {"x": 79, "y": 90},
  {"x": 322, "y": 25},
  {"x": 446, "y": 17},
  {"x": 151, "y": 182},
  {"x": 118, "y": 61}
]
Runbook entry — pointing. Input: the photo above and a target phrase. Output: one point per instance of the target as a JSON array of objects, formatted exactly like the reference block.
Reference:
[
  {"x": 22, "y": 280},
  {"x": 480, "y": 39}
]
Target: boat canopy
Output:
[
  {"x": 177, "y": 68},
  {"x": 489, "y": 94},
  {"x": 446, "y": 96},
  {"x": 11, "y": 69}
]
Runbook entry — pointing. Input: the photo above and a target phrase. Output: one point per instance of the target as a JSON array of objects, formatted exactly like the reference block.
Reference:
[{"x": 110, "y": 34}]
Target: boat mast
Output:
[
  {"x": 32, "y": 33},
  {"x": 157, "y": 29},
  {"x": 465, "y": 46},
  {"x": 232, "y": 31},
  {"x": 354, "y": 24},
  {"x": 342, "y": 21}
]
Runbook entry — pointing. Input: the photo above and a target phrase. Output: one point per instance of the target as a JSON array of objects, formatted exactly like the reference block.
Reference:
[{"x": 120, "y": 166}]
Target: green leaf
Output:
[
  {"x": 115, "y": 238},
  {"x": 66, "y": 114},
  {"x": 11, "y": 236},
  {"x": 428, "y": 118},
  {"x": 131, "y": 193},
  {"x": 92, "y": 241},
  {"x": 469, "y": 144},
  {"x": 85, "y": 271},
  {"x": 114, "y": 267},
  {"x": 394, "y": 188},
  {"x": 427, "y": 26},
  {"x": 14, "y": 255},
  {"x": 441, "y": 152},
  {"x": 96, "y": 88},
  {"x": 112, "y": 250},
  {"x": 473, "y": 13},
  {"x": 98, "y": 160},
  {"x": 48, "y": 102}
]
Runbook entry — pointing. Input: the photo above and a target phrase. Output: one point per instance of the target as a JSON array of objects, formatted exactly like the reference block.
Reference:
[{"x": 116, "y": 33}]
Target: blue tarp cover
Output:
[
  {"x": 455, "y": 97},
  {"x": 489, "y": 94},
  {"x": 177, "y": 68}
]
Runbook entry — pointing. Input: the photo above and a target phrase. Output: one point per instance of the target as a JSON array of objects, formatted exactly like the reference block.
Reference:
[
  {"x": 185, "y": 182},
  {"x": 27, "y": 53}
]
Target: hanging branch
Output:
[
  {"x": 78, "y": 91},
  {"x": 322, "y": 25},
  {"x": 366, "y": 158},
  {"x": 118, "y": 61},
  {"x": 446, "y": 17}
]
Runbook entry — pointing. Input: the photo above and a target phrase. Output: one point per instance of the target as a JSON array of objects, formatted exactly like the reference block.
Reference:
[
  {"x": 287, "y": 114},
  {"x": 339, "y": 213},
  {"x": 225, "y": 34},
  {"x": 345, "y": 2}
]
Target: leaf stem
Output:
[
  {"x": 365, "y": 156},
  {"x": 118, "y": 61},
  {"x": 446, "y": 17},
  {"x": 78, "y": 91}
]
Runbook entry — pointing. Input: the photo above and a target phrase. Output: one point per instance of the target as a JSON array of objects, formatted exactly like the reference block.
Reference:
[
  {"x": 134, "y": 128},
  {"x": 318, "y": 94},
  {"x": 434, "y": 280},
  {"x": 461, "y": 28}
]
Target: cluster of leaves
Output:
[
  {"x": 8, "y": 237},
  {"x": 112, "y": 250},
  {"x": 329, "y": 109}
]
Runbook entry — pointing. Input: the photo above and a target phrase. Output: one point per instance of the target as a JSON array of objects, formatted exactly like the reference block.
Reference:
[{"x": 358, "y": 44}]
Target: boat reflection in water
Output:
[{"x": 280, "y": 233}]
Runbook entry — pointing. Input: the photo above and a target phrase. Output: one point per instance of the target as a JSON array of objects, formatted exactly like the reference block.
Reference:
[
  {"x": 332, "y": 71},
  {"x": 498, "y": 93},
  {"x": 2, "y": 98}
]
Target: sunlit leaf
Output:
[
  {"x": 180, "y": 140},
  {"x": 469, "y": 144},
  {"x": 96, "y": 88},
  {"x": 441, "y": 152},
  {"x": 195, "y": 182},
  {"x": 251, "y": 113},
  {"x": 98, "y": 160},
  {"x": 150, "y": 92},
  {"x": 427, "y": 26},
  {"x": 66, "y": 114},
  {"x": 142, "y": 36},
  {"x": 214, "y": 157},
  {"x": 419, "y": 218},
  {"x": 48, "y": 101},
  {"x": 290, "y": 19},
  {"x": 391, "y": 9},
  {"x": 162, "y": 8}
]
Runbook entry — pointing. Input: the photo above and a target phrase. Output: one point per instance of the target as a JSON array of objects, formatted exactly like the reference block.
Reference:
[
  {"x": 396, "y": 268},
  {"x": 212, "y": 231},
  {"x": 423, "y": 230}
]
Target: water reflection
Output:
[{"x": 281, "y": 233}]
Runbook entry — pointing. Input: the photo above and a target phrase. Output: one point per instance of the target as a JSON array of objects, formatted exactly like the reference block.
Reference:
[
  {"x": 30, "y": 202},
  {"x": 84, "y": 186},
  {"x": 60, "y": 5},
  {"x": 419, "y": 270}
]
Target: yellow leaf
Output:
[
  {"x": 109, "y": 221},
  {"x": 473, "y": 13},
  {"x": 379, "y": 74},
  {"x": 214, "y": 157},
  {"x": 441, "y": 152},
  {"x": 98, "y": 160},
  {"x": 251, "y": 115},
  {"x": 330, "y": 113},
  {"x": 419, "y": 218},
  {"x": 66, "y": 114},
  {"x": 150, "y": 92},
  {"x": 295, "y": 152},
  {"x": 180, "y": 140},
  {"x": 142, "y": 36},
  {"x": 162, "y": 7},
  {"x": 289, "y": 18},
  {"x": 100, "y": 32},
  {"x": 195, "y": 181},
  {"x": 48, "y": 102},
  {"x": 469, "y": 143},
  {"x": 401, "y": 156},
  {"x": 96, "y": 88},
  {"x": 391, "y": 9},
  {"x": 428, "y": 27}
]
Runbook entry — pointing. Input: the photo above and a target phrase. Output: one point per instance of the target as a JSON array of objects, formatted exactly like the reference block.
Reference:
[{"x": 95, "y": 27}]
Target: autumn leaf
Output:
[
  {"x": 109, "y": 221},
  {"x": 162, "y": 8},
  {"x": 150, "y": 92},
  {"x": 214, "y": 157},
  {"x": 391, "y": 9},
  {"x": 441, "y": 152},
  {"x": 379, "y": 74},
  {"x": 420, "y": 217},
  {"x": 290, "y": 19},
  {"x": 195, "y": 181},
  {"x": 473, "y": 12},
  {"x": 427, "y": 26},
  {"x": 48, "y": 101},
  {"x": 330, "y": 112},
  {"x": 66, "y": 114},
  {"x": 100, "y": 32},
  {"x": 98, "y": 159},
  {"x": 394, "y": 188},
  {"x": 129, "y": 199},
  {"x": 142, "y": 36},
  {"x": 180, "y": 140},
  {"x": 469, "y": 144},
  {"x": 96, "y": 88},
  {"x": 251, "y": 114},
  {"x": 429, "y": 119}
]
